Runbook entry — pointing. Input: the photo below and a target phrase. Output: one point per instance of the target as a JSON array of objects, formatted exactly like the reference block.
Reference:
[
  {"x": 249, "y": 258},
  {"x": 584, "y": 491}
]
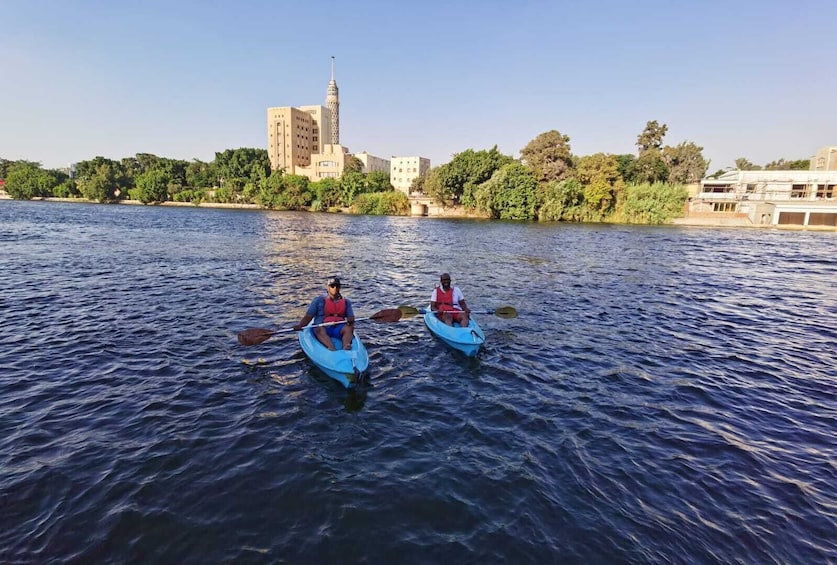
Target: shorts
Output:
[{"x": 334, "y": 331}]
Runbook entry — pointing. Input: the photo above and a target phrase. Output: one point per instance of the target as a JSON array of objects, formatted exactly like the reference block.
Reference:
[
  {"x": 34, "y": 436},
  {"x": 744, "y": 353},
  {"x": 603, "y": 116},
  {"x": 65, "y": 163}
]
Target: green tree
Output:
[
  {"x": 685, "y": 163},
  {"x": 152, "y": 186},
  {"x": 351, "y": 184},
  {"x": 353, "y": 165},
  {"x": 743, "y": 164},
  {"x": 549, "y": 156},
  {"x": 651, "y": 137},
  {"x": 456, "y": 181},
  {"x": 379, "y": 181},
  {"x": 510, "y": 194},
  {"x": 388, "y": 203},
  {"x": 650, "y": 167},
  {"x": 653, "y": 203},
  {"x": 562, "y": 201},
  {"x": 102, "y": 179},
  {"x": 627, "y": 166},
  {"x": 26, "y": 180},
  {"x": 599, "y": 175}
]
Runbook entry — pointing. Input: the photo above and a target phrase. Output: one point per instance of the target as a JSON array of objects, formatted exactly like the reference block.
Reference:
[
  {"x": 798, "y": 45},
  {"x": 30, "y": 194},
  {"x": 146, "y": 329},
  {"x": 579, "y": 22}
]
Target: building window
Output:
[
  {"x": 751, "y": 188},
  {"x": 799, "y": 190},
  {"x": 717, "y": 188},
  {"x": 825, "y": 191},
  {"x": 723, "y": 206}
]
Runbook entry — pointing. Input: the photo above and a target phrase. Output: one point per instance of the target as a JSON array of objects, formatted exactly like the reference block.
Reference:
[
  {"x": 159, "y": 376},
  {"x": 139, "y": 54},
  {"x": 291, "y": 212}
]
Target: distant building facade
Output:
[
  {"x": 372, "y": 163},
  {"x": 294, "y": 134},
  {"x": 327, "y": 164},
  {"x": 403, "y": 170},
  {"x": 825, "y": 160},
  {"x": 792, "y": 197}
]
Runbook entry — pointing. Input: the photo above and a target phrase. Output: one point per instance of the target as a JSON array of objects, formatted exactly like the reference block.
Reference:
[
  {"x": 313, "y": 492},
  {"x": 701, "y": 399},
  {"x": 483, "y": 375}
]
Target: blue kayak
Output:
[
  {"x": 468, "y": 340},
  {"x": 346, "y": 367}
]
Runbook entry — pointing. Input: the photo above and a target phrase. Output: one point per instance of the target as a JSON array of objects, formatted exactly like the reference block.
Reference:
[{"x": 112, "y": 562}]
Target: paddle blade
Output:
[
  {"x": 386, "y": 316},
  {"x": 505, "y": 312},
  {"x": 254, "y": 336},
  {"x": 408, "y": 311}
]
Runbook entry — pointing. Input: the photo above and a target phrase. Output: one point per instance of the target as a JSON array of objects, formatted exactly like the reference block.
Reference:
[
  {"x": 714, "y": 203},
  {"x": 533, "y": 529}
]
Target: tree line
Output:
[
  {"x": 547, "y": 183},
  {"x": 235, "y": 176}
]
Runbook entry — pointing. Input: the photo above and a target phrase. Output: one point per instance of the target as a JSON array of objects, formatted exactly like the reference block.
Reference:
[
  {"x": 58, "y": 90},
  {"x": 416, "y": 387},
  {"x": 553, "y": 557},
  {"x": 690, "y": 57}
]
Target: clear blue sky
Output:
[{"x": 186, "y": 78}]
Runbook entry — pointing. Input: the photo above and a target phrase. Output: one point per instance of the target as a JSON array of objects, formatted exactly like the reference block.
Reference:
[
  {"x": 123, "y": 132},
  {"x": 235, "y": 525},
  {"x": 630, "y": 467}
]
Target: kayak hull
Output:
[
  {"x": 468, "y": 340},
  {"x": 344, "y": 366}
]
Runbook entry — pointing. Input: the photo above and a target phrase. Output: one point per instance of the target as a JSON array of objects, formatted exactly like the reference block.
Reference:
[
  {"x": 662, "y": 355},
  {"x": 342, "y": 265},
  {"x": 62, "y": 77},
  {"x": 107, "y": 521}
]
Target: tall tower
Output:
[{"x": 333, "y": 104}]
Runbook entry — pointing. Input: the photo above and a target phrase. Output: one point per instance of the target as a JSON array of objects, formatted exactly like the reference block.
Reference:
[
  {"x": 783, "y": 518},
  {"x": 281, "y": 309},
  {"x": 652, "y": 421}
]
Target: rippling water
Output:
[{"x": 666, "y": 394}]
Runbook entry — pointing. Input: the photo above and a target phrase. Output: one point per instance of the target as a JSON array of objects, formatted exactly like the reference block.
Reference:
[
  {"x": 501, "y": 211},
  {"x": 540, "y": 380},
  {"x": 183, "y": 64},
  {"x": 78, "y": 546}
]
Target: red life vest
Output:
[
  {"x": 335, "y": 310},
  {"x": 444, "y": 300}
]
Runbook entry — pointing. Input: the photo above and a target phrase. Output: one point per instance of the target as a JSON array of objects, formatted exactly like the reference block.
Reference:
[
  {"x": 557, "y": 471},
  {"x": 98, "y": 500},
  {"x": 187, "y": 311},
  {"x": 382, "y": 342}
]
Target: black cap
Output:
[{"x": 334, "y": 281}]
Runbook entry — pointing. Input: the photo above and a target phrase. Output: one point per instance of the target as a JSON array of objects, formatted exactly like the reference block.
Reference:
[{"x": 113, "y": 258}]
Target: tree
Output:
[
  {"x": 26, "y": 180},
  {"x": 379, "y": 181},
  {"x": 102, "y": 179},
  {"x": 510, "y": 194},
  {"x": 743, "y": 164},
  {"x": 656, "y": 203},
  {"x": 599, "y": 175},
  {"x": 455, "y": 182},
  {"x": 562, "y": 201},
  {"x": 651, "y": 137},
  {"x": 152, "y": 186},
  {"x": 627, "y": 166},
  {"x": 650, "y": 167},
  {"x": 685, "y": 163},
  {"x": 353, "y": 165},
  {"x": 549, "y": 157}
]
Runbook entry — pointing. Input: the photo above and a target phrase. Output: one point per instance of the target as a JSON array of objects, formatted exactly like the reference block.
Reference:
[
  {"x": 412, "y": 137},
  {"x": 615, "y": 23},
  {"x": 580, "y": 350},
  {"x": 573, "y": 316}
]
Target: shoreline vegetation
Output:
[
  {"x": 548, "y": 183},
  {"x": 452, "y": 214}
]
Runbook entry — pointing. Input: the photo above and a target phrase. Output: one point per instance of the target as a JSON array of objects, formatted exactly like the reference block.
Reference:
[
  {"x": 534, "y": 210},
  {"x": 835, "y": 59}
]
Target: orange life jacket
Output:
[{"x": 335, "y": 310}]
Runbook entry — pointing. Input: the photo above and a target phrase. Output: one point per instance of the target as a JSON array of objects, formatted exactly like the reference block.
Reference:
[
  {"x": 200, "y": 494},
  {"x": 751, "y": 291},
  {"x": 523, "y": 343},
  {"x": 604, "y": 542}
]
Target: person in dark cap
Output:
[
  {"x": 331, "y": 307},
  {"x": 449, "y": 303}
]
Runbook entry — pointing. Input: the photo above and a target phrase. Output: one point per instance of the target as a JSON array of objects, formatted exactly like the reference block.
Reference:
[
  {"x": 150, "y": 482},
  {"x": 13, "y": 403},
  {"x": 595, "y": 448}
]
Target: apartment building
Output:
[
  {"x": 403, "y": 170},
  {"x": 372, "y": 163}
]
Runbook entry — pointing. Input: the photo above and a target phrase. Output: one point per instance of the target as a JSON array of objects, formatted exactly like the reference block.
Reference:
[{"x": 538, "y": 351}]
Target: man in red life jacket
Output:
[
  {"x": 331, "y": 307},
  {"x": 449, "y": 304}
]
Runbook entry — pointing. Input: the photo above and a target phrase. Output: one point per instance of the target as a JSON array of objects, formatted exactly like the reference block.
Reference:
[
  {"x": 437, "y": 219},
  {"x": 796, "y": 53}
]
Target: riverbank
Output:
[{"x": 453, "y": 213}]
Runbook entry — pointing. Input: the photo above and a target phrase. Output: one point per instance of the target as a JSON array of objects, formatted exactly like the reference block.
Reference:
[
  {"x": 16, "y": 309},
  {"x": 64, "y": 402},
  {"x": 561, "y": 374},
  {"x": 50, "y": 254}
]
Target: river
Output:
[{"x": 666, "y": 394}]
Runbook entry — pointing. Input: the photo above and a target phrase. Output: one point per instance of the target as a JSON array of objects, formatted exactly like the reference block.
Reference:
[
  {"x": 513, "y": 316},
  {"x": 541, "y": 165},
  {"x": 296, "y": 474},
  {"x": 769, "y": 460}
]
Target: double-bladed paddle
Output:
[
  {"x": 501, "y": 312},
  {"x": 255, "y": 336}
]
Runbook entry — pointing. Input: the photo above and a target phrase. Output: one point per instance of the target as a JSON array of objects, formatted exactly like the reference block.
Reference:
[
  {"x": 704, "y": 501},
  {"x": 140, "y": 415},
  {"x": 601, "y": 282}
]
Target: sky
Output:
[{"x": 185, "y": 79}]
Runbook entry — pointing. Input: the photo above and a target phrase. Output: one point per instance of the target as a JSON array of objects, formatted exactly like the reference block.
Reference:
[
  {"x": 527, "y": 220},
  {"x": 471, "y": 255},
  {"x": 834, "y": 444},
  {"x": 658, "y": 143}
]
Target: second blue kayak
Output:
[{"x": 468, "y": 340}]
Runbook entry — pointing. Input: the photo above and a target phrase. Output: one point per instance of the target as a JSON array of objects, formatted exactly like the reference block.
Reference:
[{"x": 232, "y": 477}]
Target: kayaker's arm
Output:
[
  {"x": 303, "y": 322},
  {"x": 464, "y": 306}
]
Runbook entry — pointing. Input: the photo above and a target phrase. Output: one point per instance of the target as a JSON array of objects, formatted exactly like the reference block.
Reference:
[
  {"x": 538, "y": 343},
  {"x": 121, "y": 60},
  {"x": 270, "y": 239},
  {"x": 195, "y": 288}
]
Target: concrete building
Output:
[
  {"x": 792, "y": 197},
  {"x": 403, "y": 170},
  {"x": 294, "y": 134},
  {"x": 372, "y": 163},
  {"x": 825, "y": 160},
  {"x": 327, "y": 164}
]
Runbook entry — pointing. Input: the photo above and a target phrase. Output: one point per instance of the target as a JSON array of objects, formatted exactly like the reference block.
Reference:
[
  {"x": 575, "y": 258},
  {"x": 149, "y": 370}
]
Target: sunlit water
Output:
[{"x": 665, "y": 395}]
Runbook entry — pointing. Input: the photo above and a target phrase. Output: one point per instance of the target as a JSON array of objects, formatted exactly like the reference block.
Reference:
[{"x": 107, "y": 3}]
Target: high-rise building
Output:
[{"x": 294, "y": 134}]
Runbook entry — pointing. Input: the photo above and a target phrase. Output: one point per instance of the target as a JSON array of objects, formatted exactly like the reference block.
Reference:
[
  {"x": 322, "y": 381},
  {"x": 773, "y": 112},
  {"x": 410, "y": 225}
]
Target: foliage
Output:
[
  {"x": 237, "y": 167},
  {"x": 152, "y": 186},
  {"x": 601, "y": 181},
  {"x": 627, "y": 166},
  {"x": 353, "y": 165},
  {"x": 351, "y": 184},
  {"x": 388, "y": 203},
  {"x": 510, "y": 194},
  {"x": 562, "y": 201},
  {"x": 326, "y": 193},
  {"x": 102, "y": 179},
  {"x": 653, "y": 203},
  {"x": 650, "y": 167},
  {"x": 685, "y": 163},
  {"x": 785, "y": 165},
  {"x": 651, "y": 137},
  {"x": 379, "y": 181},
  {"x": 455, "y": 182},
  {"x": 549, "y": 156},
  {"x": 743, "y": 164},
  {"x": 25, "y": 180}
]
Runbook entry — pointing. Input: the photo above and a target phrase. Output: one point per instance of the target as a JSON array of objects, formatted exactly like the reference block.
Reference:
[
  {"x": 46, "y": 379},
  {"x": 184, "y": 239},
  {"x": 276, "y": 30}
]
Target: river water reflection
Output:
[{"x": 665, "y": 395}]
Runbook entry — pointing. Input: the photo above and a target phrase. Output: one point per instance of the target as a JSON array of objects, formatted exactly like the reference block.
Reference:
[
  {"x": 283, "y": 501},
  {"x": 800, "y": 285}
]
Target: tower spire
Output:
[{"x": 333, "y": 104}]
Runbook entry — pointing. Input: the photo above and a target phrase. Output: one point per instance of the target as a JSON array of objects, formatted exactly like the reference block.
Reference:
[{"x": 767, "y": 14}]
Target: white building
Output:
[
  {"x": 792, "y": 197},
  {"x": 403, "y": 170},
  {"x": 372, "y": 163}
]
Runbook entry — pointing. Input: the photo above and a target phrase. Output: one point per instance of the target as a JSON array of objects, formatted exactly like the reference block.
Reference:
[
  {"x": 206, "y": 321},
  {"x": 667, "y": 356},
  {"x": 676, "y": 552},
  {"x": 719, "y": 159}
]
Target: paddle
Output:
[
  {"x": 501, "y": 312},
  {"x": 255, "y": 336}
]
